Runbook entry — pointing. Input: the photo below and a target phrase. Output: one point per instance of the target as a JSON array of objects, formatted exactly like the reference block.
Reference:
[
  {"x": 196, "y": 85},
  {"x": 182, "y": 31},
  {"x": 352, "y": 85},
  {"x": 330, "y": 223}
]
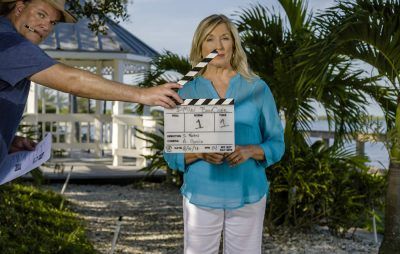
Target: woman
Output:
[{"x": 227, "y": 192}]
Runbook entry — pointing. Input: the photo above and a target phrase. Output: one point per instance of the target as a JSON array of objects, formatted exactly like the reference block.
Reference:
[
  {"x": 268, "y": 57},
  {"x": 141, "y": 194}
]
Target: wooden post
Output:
[
  {"x": 360, "y": 147},
  {"x": 326, "y": 141},
  {"x": 116, "y": 234}
]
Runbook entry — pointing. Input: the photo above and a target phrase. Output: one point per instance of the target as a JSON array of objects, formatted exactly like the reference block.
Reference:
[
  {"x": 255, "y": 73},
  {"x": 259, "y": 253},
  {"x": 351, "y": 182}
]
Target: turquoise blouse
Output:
[{"x": 256, "y": 123}]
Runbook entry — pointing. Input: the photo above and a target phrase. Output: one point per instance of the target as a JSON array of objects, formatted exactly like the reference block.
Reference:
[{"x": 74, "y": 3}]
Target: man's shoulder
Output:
[
  {"x": 7, "y": 38},
  {"x": 16, "y": 41},
  {"x": 6, "y": 35},
  {"x": 5, "y": 25}
]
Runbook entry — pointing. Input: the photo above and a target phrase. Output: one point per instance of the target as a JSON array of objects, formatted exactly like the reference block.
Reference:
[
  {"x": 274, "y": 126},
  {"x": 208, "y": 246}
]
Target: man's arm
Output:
[{"x": 85, "y": 84}]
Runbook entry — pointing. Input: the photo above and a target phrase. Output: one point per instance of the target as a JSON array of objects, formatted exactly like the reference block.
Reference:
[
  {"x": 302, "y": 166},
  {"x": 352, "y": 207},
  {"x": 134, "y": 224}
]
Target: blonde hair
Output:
[{"x": 239, "y": 58}]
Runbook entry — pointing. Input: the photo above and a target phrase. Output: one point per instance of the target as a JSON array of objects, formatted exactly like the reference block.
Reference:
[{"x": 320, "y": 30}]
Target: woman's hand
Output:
[
  {"x": 240, "y": 155},
  {"x": 213, "y": 158},
  {"x": 243, "y": 153}
]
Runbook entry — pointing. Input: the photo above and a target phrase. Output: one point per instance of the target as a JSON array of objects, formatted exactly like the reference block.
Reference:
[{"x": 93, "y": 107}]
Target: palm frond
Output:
[
  {"x": 365, "y": 30},
  {"x": 171, "y": 61},
  {"x": 296, "y": 12},
  {"x": 165, "y": 62}
]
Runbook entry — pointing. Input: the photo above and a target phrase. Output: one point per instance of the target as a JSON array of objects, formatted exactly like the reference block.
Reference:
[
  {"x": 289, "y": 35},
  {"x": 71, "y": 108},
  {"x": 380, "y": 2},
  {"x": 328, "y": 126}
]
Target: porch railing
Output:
[{"x": 94, "y": 133}]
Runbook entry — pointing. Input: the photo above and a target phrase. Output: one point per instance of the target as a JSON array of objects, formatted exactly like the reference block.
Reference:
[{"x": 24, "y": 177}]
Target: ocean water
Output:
[{"x": 376, "y": 151}]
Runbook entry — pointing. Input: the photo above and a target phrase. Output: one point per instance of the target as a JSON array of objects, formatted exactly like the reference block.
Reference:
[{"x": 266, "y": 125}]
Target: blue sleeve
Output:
[
  {"x": 20, "y": 58},
  {"x": 175, "y": 161},
  {"x": 271, "y": 127}
]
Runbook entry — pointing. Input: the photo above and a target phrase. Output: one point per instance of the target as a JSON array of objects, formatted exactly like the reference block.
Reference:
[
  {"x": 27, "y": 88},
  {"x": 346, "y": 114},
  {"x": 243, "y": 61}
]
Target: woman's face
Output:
[{"x": 220, "y": 39}]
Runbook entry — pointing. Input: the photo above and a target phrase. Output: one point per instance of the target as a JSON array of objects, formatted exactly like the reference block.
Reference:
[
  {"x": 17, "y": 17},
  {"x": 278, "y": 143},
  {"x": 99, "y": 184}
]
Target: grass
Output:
[{"x": 31, "y": 221}]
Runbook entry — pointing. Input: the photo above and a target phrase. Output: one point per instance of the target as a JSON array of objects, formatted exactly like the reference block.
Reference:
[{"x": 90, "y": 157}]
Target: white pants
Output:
[{"x": 242, "y": 229}]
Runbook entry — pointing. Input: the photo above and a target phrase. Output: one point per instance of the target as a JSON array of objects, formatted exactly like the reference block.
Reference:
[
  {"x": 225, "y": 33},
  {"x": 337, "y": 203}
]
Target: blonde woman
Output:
[{"x": 227, "y": 192}]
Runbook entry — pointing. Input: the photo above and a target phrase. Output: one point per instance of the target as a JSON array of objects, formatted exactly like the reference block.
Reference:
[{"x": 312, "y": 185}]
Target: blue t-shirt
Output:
[
  {"x": 256, "y": 123},
  {"x": 19, "y": 59}
]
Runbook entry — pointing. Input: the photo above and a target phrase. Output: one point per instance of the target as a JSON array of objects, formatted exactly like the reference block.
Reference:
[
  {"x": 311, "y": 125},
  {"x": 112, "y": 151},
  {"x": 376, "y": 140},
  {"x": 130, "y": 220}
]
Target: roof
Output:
[{"x": 79, "y": 38}]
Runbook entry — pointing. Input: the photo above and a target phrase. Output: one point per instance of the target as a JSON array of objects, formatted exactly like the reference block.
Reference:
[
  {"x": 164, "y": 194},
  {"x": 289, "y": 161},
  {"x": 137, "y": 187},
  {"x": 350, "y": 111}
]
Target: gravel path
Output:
[{"x": 152, "y": 222}]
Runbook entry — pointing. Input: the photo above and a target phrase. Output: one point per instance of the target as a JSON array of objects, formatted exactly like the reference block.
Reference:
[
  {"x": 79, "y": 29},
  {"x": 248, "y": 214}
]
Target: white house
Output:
[{"x": 115, "y": 55}]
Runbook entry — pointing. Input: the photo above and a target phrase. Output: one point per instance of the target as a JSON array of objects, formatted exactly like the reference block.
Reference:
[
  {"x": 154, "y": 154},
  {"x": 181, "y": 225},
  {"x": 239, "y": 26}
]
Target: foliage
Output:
[
  {"x": 156, "y": 159},
  {"x": 98, "y": 12},
  {"x": 172, "y": 61},
  {"x": 156, "y": 141},
  {"x": 31, "y": 222},
  {"x": 313, "y": 184},
  {"x": 323, "y": 185},
  {"x": 162, "y": 63},
  {"x": 369, "y": 31},
  {"x": 167, "y": 61},
  {"x": 275, "y": 49}
]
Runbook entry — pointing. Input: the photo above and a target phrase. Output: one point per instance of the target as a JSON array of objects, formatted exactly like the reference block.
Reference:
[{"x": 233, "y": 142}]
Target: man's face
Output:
[{"x": 35, "y": 20}]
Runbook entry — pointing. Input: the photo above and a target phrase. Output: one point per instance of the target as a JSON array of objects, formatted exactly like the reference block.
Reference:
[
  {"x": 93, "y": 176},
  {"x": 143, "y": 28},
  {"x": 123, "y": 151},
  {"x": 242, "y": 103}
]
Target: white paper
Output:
[
  {"x": 20, "y": 163},
  {"x": 199, "y": 129}
]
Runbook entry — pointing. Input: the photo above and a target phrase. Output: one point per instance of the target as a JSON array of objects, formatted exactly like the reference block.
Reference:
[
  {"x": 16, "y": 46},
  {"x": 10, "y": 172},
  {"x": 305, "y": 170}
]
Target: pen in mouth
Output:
[{"x": 32, "y": 30}]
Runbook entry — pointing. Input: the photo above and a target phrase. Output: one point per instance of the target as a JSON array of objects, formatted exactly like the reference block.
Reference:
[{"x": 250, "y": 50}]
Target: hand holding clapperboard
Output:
[{"x": 200, "y": 125}]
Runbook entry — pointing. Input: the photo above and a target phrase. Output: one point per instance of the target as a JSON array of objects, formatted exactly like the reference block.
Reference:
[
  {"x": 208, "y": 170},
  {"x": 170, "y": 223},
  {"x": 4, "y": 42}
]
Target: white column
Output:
[
  {"x": 98, "y": 126},
  {"x": 118, "y": 108},
  {"x": 43, "y": 111},
  {"x": 32, "y": 105},
  {"x": 149, "y": 124}
]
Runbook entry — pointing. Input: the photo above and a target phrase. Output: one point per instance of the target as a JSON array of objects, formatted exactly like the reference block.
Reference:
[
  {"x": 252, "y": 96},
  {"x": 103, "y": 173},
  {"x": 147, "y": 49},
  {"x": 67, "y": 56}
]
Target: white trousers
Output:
[{"x": 242, "y": 229}]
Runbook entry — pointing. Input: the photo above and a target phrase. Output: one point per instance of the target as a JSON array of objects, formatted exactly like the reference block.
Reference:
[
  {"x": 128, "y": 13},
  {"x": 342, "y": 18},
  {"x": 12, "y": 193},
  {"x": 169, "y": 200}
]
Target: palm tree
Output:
[
  {"x": 276, "y": 53},
  {"x": 276, "y": 48},
  {"x": 369, "y": 31}
]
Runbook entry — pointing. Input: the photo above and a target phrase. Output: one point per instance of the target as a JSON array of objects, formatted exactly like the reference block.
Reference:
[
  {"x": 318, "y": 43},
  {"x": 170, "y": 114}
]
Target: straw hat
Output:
[{"x": 59, "y": 5}]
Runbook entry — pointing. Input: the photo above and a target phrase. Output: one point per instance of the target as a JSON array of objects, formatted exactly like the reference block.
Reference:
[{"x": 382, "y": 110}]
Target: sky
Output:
[{"x": 170, "y": 24}]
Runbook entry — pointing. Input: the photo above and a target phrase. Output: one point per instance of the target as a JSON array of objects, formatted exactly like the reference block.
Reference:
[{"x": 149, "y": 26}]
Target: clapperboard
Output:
[{"x": 200, "y": 125}]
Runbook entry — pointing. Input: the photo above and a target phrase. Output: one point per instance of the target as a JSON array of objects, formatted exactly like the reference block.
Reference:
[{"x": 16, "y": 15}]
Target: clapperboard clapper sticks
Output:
[
  {"x": 195, "y": 70},
  {"x": 200, "y": 125}
]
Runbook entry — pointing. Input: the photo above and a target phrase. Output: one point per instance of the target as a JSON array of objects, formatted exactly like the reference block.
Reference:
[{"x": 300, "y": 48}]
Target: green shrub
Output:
[
  {"x": 326, "y": 186},
  {"x": 31, "y": 222},
  {"x": 156, "y": 160},
  {"x": 311, "y": 185}
]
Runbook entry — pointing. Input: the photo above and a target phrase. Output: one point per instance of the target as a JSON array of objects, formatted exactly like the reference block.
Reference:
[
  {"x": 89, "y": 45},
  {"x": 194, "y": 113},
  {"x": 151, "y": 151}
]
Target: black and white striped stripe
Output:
[
  {"x": 196, "y": 102},
  {"x": 195, "y": 70}
]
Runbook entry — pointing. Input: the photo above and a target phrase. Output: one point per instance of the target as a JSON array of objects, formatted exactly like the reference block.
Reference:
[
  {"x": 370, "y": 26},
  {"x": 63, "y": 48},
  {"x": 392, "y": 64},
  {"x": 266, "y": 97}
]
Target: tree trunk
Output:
[{"x": 391, "y": 239}]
